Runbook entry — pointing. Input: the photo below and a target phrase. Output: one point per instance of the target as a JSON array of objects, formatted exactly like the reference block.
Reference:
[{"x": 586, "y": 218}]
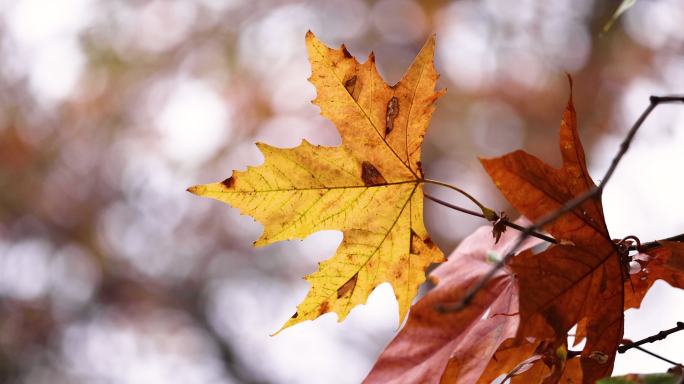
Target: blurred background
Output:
[{"x": 109, "y": 109}]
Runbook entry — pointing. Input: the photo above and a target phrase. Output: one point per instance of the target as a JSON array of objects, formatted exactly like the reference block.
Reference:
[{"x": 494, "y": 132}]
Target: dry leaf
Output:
[
  {"x": 566, "y": 284},
  {"x": 370, "y": 187},
  {"x": 456, "y": 347}
]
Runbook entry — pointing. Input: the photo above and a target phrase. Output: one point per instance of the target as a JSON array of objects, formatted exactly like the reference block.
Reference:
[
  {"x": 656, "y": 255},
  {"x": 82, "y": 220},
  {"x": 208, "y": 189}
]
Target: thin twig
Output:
[
  {"x": 487, "y": 213},
  {"x": 455, "y": 207},
  {"x": 657, "y": 337},
  {"x": 657, "y": 356},
  {"x": 570, "y": 205},
  {"x": 504, "y": 221}
]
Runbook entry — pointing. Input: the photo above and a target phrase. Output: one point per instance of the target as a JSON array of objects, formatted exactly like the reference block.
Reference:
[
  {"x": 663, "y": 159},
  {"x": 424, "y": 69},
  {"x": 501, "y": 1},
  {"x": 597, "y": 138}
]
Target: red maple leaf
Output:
[
  {"x": 456, "y": 346},
  {"x": 581, "y": 279}
]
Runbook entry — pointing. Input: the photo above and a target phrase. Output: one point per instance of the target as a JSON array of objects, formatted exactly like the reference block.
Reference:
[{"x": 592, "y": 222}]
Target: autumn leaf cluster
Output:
[{"x": 371, "y": 188}]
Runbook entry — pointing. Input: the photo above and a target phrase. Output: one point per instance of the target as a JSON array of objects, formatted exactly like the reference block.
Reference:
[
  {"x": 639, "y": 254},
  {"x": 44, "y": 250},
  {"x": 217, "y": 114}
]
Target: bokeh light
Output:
[{"x": 110, "y": 272}]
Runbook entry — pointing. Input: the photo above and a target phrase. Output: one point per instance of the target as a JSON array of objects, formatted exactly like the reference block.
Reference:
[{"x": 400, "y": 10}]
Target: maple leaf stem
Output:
[
  {"x": 487, "y": 213},
  {"x": 504, "y": 221},
  {"x": 454, "y": 207},
  {"x": 654, "y": 101}
]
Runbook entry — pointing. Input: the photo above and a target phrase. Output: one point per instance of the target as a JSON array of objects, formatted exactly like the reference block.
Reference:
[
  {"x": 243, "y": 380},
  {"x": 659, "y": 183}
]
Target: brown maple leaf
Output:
[
  {"x": 455, "y": 347},
  {"x": 549, "y": 363},
  {"x": 580, "y": 280}
]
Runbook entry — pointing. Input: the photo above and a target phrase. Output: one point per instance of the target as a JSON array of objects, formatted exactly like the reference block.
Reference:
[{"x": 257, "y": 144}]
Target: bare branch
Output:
[
  {"x": 574, "y": 203},
  {"x": 657, "y": 356},
  {"x": 455, "y": 207},
  {"x": 657, "y": 337}
]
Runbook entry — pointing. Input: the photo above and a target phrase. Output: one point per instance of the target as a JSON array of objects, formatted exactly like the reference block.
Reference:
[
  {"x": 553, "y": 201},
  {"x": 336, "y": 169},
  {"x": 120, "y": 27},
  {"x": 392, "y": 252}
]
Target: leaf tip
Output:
[
  {"x": 196, "y": 189},
  {"x": 484, "y": 161},
  {"x": 263, "y": 147},
  {"x": 310, "y": 41},
  {"x": 345, "y": 51},
  {"x": 432, "y": 38},
  {"x": 429, "y": 46},
  {"x": 290, "y": 322},
  {"x": 263, "y": 240}
]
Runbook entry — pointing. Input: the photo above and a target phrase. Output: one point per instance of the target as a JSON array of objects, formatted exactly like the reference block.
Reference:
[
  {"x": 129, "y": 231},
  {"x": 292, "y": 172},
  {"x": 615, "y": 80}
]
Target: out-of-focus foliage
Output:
[
  {"x": 111, "y": 272},
  {"x": 624, "y": 6},
  {"x": 656, "y": 378}
]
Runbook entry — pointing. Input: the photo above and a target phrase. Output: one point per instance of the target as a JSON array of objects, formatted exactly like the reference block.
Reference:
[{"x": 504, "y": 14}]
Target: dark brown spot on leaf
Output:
[
  {"x": 348, "y": 286},
  {"x": 295, "y": 315},
  {"x": 370, "y": 175},
  {"x": 420, "y": 169},
  {"x": 346, "y": 52},
  {"x": 414, "y": 238},
  {"x": 350, "y": 85},
  {"x": 429, "y": 243},
  {"x": 323, "y": 308},
  {"x": 392, "y": 113},
  {"x": 229, "y": 182}
]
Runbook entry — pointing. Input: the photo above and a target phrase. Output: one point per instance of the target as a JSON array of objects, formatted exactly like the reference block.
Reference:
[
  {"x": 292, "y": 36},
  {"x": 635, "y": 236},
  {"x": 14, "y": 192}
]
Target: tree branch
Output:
[
  {"x": 657, "y": 356},
  {"x": 503, "y": 220},
  {"x": 657, "y": 337},
  {"x": 572, "y": 204}
]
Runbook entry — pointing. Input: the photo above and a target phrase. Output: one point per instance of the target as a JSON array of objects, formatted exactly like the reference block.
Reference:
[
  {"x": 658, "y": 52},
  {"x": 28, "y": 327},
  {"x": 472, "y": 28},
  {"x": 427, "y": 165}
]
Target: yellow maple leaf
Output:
[{"x": 370, "y": 187}]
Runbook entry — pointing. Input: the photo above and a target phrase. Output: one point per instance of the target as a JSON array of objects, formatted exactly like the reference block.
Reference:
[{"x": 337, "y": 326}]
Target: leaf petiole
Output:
[
  {"x": 504, "y": 221},
  {"x": 487, "y": 213}
]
